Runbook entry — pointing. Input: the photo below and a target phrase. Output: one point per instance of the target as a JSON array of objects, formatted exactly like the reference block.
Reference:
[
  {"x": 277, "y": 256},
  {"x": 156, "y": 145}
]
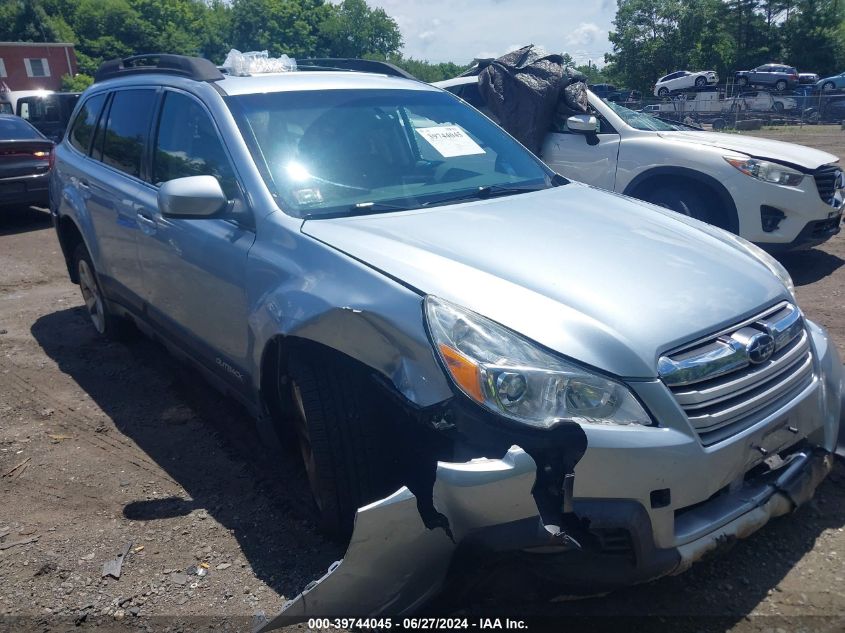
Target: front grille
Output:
[
  {"x": 825, "y": 178},
  {"x": 825, "y": 228},
  {"x": 722, "y": 390}
]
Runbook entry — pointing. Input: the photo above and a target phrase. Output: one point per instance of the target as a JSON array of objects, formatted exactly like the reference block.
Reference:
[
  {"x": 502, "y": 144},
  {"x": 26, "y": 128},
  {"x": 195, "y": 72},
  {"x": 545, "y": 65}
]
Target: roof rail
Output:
[
  {"x": 351, "y": 63},
  {"x": 193, "y": 67}
]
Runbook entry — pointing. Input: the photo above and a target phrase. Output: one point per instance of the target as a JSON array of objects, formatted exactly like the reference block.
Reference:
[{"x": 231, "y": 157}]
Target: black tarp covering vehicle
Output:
[{"x": 527, "y": 89}]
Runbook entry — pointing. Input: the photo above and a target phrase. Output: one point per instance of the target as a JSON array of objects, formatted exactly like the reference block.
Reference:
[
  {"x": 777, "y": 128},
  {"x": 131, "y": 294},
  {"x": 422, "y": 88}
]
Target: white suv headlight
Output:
[
  {"x": 766, "y": 171},
  {"x": 513, "y": 377}
]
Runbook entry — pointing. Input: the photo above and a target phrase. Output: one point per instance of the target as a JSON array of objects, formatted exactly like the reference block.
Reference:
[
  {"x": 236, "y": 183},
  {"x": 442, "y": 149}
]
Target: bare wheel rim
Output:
[
  {"x": 305, "y": 448},
  {"x": 91, "y": 296}
]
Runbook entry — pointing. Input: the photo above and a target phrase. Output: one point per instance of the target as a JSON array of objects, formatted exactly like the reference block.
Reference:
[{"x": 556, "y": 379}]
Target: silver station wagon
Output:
[{"x": 479, "y": 360}]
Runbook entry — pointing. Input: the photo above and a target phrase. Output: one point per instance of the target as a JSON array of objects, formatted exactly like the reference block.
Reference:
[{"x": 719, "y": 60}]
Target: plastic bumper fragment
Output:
[{"x": 394, "y": 563}]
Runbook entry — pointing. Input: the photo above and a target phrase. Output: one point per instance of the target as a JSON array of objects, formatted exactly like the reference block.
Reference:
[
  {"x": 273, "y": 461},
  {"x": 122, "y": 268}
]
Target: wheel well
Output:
[
  {"x": 273, "y": 379},
  {"x": 678, "y": 177},
  {"x": 416, "y": 446},
  {"x": 69, "y": 238}
]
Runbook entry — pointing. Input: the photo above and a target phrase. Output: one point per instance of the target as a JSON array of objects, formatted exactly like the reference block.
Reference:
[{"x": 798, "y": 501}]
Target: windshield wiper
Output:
[
  {"x": 359, "y": 208},
  {"x": 372, "y": 207},
  {"x": 483, "y": 192}
]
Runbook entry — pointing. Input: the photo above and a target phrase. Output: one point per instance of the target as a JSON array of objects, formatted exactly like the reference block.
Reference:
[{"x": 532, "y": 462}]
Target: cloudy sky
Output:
[{"x": 458, "y": 30}]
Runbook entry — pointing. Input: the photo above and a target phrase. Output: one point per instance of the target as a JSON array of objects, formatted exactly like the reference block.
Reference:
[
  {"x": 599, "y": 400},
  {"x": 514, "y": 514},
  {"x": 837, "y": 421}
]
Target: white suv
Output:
[
  {"x": 684, "y": 80},
  {"x": 779, "y": 195}
]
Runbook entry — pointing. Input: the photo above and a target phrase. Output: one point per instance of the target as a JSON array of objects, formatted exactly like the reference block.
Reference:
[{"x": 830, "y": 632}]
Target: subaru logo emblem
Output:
[{"x": 760, "y": 348}]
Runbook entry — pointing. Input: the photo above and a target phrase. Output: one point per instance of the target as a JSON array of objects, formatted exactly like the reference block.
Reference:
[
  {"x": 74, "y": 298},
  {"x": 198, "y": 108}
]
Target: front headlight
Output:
[
  {"x": 766, "y": 171},
  {"x": 513, "y": 377}
]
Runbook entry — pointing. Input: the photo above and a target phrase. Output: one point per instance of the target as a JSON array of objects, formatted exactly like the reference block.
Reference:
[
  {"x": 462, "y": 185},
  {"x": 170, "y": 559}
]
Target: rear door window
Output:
[
  {"x": 127, "y": 129},
  {"x": 83, "y": 126}
]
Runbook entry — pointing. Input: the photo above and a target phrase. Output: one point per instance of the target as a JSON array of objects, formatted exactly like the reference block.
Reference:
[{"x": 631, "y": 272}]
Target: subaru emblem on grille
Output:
[{"x": 760, "y": 347}]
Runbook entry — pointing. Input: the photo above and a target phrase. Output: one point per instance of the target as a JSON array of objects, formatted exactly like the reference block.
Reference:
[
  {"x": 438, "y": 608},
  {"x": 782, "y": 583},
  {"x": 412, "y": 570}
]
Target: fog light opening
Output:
[{"x": 770, "y": 218}]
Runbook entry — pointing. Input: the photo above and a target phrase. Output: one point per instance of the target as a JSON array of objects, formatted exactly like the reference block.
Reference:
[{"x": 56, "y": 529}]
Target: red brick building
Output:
[{"x": 35, "y": 65}]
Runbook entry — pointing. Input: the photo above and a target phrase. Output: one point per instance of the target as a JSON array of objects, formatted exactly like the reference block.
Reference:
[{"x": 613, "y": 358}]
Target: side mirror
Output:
[
  {"x": 191, "y": 197},
  {"x": 582, "y": 123}
]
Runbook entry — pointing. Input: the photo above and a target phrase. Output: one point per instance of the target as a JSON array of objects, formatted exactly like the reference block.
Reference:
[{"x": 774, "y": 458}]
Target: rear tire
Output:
[
  {"x": 663, "y": 92},
  {"x": 828, "y": 86},
  {"x": 344, "y": 445},
  {"x": 777, "y": 106},
  {"x": 104, "y": 321},
  {"x": 700, "y": 82},
  {"x": 686, "y": 200},
  {"x": 780, "y": 85}
]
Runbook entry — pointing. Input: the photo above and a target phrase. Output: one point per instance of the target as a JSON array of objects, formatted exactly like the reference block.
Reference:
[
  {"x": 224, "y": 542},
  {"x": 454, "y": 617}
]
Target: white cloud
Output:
[
  {"x": 458, "y": 30},
  {"x": 585, "y": 34}
]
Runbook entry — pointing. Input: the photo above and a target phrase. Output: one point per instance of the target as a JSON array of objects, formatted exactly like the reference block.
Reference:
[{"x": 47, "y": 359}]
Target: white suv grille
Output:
[{"x": 732, "y": 379}]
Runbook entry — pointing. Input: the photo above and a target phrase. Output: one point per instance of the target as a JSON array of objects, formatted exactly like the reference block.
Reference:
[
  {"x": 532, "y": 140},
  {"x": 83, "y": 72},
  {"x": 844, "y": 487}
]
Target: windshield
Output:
[
  {"x": 349, "y": 152},
  {"x": 643, "y": 121}
]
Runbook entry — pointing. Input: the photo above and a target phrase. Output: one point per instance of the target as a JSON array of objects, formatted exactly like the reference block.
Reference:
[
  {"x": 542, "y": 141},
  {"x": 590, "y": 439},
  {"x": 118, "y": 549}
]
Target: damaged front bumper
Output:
[{"x": 395, "y": 563}]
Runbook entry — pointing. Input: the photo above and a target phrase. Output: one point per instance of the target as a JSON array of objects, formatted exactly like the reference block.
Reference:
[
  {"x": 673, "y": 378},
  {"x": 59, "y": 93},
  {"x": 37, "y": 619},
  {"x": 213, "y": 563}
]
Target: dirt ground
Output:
[{"x": 105, "y": 444}]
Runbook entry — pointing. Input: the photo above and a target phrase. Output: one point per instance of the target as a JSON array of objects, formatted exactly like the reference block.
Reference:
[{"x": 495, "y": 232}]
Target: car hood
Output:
[
  {"x": 599, "y": 277},
  {"x": 789, "y": 153}
]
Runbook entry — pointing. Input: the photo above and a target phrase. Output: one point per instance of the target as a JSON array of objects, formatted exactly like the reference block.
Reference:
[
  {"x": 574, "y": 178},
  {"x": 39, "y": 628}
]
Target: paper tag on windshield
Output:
[{"x": 450, "y": 140}]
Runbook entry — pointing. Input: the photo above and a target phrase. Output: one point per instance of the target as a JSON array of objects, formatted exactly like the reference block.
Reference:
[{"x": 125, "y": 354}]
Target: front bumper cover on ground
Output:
[{"x": 394, "y": 563}]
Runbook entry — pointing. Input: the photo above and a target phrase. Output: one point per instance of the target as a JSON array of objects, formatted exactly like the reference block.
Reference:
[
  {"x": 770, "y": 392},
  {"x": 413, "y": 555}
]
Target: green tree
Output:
[
  {"x": 107, "y": 29},
  {"x": 354, "y": 29},
  {"x": 594, "y": 74},
  {"x": 216, "y": 32},
  {"x": 278, "y": 26},
  {"x": 822, "y": 23},
  {"x": 76, "y": 83},
  {"x": 421, "y": 69}
]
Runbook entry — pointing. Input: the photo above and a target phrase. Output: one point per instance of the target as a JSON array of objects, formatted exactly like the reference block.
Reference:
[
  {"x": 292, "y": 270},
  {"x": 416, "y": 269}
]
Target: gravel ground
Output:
[{"x": 104, "y": 445}]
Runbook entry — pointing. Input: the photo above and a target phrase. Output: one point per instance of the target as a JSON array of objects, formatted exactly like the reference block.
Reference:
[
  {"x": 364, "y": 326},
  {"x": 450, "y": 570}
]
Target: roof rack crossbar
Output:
[{"x": 195, "y": 68}]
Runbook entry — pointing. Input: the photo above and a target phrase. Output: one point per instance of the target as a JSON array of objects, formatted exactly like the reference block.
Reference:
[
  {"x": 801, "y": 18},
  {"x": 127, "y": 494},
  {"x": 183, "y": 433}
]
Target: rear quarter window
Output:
[{"x": 82, "y": 129}]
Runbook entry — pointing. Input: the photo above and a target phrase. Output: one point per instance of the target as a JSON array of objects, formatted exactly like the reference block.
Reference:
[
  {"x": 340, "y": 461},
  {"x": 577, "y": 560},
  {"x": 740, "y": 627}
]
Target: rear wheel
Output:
[
  {"x": 343, "y": 443},
  {"x": 102, "y": 319},
  {"x": 777, "y": 106},
  {"x": 663, "y": 92},
  {"x": 780, "y": 85},
  {"x": 828, "y": 85},
  {"x": 686, "y": 200},
  {"x": 700, "y": 82}
]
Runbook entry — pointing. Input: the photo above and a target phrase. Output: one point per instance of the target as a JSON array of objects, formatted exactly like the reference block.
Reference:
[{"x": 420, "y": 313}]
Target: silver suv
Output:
[{"x": 472, "y": 353}]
